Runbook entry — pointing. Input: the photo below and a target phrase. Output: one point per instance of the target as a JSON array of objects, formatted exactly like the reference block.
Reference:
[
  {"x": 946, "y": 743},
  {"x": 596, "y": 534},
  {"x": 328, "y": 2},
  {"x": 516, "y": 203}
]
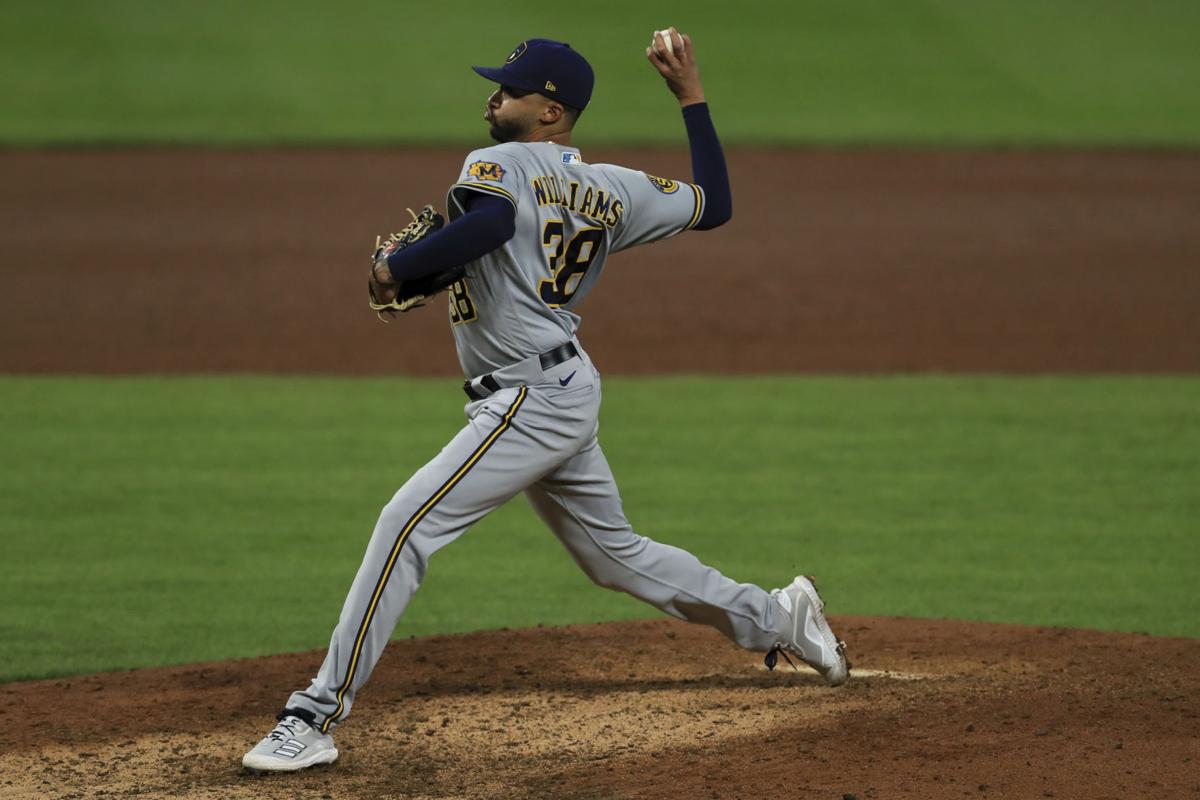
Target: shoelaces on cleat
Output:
[
  {"x": 773, "y": 658},
  {"x": 278, "y": 733}
]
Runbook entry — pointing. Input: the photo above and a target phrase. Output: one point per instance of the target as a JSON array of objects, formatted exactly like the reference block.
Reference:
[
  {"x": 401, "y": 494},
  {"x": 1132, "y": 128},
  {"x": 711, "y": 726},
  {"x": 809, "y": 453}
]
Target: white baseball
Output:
[{"x": 667, "y": 41}]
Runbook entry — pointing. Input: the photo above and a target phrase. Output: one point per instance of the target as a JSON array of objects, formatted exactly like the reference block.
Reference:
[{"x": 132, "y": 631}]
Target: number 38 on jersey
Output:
[{"x": 569, "y": 261}]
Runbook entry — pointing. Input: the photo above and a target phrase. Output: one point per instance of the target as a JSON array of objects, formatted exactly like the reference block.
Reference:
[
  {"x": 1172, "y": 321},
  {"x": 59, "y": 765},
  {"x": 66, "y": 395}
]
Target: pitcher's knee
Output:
[
  {"x": 624, "y": 547},
  {"x": 607, "y": 564},
  {"x": 394, "y": 519},
  {"x": 396, "y": 540},
  {"x": 400, "y": 510},
  {"x": 391, "y": 520}
]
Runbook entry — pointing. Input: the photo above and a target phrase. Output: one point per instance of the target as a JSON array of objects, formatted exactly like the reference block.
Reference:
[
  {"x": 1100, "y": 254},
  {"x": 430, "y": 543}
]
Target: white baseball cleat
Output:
[
  {"x": 292, "y": 745},
  {"x": 806, "y": 632}
]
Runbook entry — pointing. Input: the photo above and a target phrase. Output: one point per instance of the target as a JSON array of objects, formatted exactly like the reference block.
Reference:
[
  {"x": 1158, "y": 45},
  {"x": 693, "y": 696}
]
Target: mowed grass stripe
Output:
[
  {"x": 1072, "y": 72},
  {"x": 170, "y": 520}
]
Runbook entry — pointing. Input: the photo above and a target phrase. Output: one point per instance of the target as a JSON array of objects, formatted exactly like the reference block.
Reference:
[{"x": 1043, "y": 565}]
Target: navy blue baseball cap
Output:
[{"x": 547, "y": 67}]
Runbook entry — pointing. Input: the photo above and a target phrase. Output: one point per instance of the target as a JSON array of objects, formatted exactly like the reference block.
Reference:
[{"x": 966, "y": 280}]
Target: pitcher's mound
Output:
[{"x": 647, "y": 710}]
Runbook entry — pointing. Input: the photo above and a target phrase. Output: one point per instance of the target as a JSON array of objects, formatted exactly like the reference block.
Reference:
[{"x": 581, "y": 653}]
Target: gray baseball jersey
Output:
[
  {"x": 516, "y": 301},
  {"x": 533, "y": 425}
]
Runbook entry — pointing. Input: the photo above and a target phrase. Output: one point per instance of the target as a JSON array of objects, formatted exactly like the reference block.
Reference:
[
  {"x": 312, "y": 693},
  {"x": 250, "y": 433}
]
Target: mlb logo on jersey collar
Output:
[{"x": 572, "y": 158}]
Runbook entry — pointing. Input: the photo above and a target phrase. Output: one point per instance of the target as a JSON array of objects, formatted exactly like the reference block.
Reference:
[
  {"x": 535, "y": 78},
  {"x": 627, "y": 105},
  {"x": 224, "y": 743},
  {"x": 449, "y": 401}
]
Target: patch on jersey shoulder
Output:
[
  {"x": 572, "y": 158},
  {"x": 486, "y": 171},
  {"x": 663, "y": 184}
]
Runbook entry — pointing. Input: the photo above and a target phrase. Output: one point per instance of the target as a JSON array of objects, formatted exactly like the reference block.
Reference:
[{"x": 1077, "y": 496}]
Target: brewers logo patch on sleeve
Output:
[
  {"x": 664, "y": 185},
  {"x": 486, "y": 171}
]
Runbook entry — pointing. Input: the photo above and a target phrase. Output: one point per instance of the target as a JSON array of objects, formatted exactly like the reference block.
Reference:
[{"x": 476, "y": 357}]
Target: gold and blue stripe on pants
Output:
[{"x": 398, "y": 545}]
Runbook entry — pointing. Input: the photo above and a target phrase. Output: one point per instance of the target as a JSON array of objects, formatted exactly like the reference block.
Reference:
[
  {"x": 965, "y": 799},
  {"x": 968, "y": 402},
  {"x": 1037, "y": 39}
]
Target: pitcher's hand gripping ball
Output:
[
  {"x": 663, "y": 42},
  {"x": 386, "y": 297}
]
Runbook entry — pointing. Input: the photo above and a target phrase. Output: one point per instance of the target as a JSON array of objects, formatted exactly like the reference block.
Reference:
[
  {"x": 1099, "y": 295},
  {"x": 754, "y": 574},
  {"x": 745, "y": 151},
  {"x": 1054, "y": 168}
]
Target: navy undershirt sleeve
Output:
[
  {"x": 488, "y": 223},
  {"x": 708, "y": 167}
]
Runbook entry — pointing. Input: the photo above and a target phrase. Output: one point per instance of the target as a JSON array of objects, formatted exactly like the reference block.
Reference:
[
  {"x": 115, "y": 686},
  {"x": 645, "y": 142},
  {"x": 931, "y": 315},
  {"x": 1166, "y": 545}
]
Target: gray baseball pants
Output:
[{"x": 540, "y": 438}]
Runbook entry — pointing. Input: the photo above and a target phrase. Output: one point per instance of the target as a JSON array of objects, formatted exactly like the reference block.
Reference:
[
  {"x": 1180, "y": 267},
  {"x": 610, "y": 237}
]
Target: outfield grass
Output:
[
  {"x": 1070, "y": 72},
  {"x": 156, "y": 520}
]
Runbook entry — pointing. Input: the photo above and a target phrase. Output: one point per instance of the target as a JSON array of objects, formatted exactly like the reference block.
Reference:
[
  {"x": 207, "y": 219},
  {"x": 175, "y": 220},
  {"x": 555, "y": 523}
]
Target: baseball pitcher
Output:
[{"x": 530, "y": 227}]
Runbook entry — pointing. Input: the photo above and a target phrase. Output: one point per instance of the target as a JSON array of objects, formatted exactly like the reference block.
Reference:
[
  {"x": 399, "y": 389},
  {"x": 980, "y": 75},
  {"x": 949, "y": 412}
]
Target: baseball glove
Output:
[{"x": 386, "y": 299}]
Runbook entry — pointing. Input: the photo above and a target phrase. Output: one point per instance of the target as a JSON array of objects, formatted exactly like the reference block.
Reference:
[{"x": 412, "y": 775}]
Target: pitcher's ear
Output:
[{"x": 553, "y": 112}]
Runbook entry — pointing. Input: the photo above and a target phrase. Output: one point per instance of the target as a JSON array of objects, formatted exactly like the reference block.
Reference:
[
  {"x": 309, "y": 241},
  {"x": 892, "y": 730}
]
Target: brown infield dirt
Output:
[
  {"x": 132, "y": 262},
  {"x": 660, "y": 709}
]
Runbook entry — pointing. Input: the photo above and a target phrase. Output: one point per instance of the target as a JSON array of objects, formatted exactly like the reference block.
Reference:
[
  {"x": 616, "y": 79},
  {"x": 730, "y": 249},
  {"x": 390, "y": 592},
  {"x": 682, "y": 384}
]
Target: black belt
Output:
[{"x": 551, "y": 358}]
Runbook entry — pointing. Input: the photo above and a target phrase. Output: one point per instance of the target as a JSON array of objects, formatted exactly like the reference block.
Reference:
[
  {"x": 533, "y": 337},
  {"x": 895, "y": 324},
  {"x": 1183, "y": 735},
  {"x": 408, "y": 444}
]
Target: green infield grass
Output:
[
  {"x": 929, "y": 72},
  {"x": 169, "y": 520}
]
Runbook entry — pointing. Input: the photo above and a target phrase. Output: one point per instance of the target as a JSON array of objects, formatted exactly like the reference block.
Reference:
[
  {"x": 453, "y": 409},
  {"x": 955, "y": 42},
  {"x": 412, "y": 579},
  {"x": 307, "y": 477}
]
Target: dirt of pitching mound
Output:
[
  {"x": 935, "y": 709},
  {"x": 856, "y": 261}
]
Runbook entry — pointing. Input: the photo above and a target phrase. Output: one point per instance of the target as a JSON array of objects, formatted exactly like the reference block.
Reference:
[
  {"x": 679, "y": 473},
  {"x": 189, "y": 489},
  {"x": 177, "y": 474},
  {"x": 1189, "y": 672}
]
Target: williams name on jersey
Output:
[{"x": 591, "y": 202}]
